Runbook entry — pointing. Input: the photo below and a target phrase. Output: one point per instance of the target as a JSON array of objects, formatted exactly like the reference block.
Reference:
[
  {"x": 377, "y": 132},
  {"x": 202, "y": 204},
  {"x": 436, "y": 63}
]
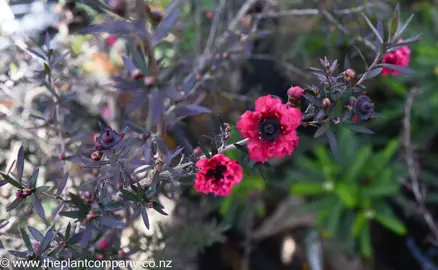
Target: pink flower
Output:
[
  {"x": 217, "y": 175},
  {"x": 399, "y": 57},
  {"x": 296, "y": 92},
  {"x": 111, "y": 40},
  {"x": 103, "y": 244},
  {"x": 270, "y": 129}
]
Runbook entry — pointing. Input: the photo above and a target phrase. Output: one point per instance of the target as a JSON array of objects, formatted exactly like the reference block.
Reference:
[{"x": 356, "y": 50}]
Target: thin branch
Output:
[
  {"x": 310, "y": 11},
  {"x": 344, "y": 30},
  {"x": 409, "y": 156}
]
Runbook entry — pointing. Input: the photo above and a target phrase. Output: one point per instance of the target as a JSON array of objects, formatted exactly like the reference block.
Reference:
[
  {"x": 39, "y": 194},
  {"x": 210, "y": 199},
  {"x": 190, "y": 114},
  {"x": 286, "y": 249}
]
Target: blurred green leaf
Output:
[
  {"x": 307, "y": 188},
  {"x": 392, "y": 223}
]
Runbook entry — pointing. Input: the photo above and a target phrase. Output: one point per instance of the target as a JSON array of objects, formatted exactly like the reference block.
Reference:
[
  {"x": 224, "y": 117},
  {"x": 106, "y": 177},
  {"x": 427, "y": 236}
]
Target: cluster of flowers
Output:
[{"x": 271, "y": 131}]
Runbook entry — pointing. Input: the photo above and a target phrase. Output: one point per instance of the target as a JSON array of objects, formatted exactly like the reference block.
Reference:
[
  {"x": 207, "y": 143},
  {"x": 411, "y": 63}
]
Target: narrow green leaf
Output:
[
  {"x": 358, "y": 224},
  {"x": 347, "y": 194},
  {"x": 334, "y": 218},
  {"x": 361, "y": 158},
  {"x": 365, "y": 241},
  {"x": 392, "y": 223},
  {"x": 308, "y": 188}
]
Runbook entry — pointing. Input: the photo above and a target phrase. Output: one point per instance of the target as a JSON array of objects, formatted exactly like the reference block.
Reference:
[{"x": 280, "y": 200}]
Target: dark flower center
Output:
[
  {"x": 217, "y": 173},
  {"x": 269, "y": 129}
]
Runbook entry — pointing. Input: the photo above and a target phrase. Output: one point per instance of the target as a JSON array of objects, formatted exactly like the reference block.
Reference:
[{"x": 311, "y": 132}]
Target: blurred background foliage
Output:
[{"x": 358, "y": 202}]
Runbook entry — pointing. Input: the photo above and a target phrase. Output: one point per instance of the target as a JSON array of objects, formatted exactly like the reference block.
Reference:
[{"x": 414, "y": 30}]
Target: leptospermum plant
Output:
[{"x": 135, "y": 163}]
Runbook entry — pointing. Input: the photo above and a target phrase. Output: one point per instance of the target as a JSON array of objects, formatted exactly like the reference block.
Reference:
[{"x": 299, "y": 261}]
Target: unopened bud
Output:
[
  {"x": 197, "y": 151},
  {"x": 209, "y": 15},
  {"x": 149, "y": 81},
  {"x": 62, "y": 156},
  {"x": 349, "y": 75},
  {"x": 295, "y": 92},
  {"x": 27, "y": 192},
  {"x": 136, "y": 74},
  {"x": 326, "y": 102},
  {"x": 96, "y": 156}
]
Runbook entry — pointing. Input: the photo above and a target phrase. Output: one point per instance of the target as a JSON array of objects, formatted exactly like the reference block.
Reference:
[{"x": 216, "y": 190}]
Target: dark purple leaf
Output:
[
  {"x": 127, "y": 85},
  {"x": 11, "y": 181},
  {"x": 37, "y": 235},
  {"x": 1, "y": 245},
  {"x": 189, "y": 83},
  {"x": 147, "y": 148},
  {"x": 67, "y": 231},
  {"x": 70, "y": 214},
  {"x": 312, "y": 100},
  {"x": 376, "y": 32},
  {"x": 129, "y": 65},
  {"x": 56, "y": 210},
  {"x": 3, "y": 223},
  {"x": 20, "y": 163},
  {"x": 34, "y": 178},
  {"x": 110, "y": 221},
  {"x": 334, "y": 65},
  {"x": 139, "y": 101},
  {"x": 14, "y": 204},
  {"x": 373, "y": 73},
  {"x": 46, "y": 241},
  {"x": 165, "y": 26},
  {"x": 332, "y": 142},
  {"x": 3, "y": 182},
  {"x": 360, "y": 129},
  {"x": 75, "y": 238},
  {"x": 401, "y": 29},
  {"x": 347, "y": 64},
  {"x": 19, "y": 254},
  {"x": 26, "y": 240},
  {"x": 399, "y": 68},
  {"x": 60, "y": 59},
  {"x": 134, "y": 127},
  {"x": 320, "y": 114},
  {"x": 172, "y": 93},
  {"x": 320, "y": 131},
  {"x": 61, "y": 184},
  {"x": 159, "y": 208},
  {"x": 144, "y": 215},
  {"x": 162, "y": 146},
  {"x": 38, "y": 207},
  {"x": 175, "y": 173},
  {"x": 86, "y": 236},
  {"x": 190, "y": 110},
  {"x": 99, "y": 178},
  {"x": 115, "y": 27},
  {"x": 156, "y": 107},
  {"x": 176, "y": 152},
  {"x": 36, "y": 53}
]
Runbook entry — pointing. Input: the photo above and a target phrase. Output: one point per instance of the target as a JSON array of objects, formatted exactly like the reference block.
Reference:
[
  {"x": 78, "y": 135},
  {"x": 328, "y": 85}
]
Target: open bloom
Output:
[
  {"x": 217, "y": 175},
  {"x": 399, "y": 57},
  {"x": 270, "y": 129}
]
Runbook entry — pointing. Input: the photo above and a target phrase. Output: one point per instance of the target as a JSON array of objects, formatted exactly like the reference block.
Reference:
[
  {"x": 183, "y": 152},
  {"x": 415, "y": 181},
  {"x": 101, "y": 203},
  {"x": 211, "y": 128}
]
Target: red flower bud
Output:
[
  {"x": 136, "y": 74},
  {"x": 295, "y": 92},
  {"x": 103, "y": 244},
  {"x": 99, "y": 257},
  {"x": 349, "y": 75},
  {"x": 96, "y": 156},
  {"x": 149, "y": 81},
  {"x": 209, "y": 15},
  {"x": 326, "y": 102},
  {"x": 27, "y": 192},
  {"x": 19, "y": 194},
  {"x": 62, "y": 156}
]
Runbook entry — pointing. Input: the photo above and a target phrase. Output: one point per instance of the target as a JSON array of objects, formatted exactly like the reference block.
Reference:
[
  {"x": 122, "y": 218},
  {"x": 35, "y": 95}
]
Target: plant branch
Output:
[{"x": 409, "y": 157}]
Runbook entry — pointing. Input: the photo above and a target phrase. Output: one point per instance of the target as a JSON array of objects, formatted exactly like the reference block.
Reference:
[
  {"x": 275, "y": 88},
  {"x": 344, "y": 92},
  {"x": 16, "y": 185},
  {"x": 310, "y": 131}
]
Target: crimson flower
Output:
[
  {"x": 270, "y": 129},
  {"x": 217, "y": 175},
  {"x": 399, "y": 57}
]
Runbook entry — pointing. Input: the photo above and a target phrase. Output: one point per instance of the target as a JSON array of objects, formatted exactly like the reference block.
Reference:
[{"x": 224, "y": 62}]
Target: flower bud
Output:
[
  {"x": 349, "y": 74},
  {"x": 62, "y": 156},
  {"x": 19, "y": 194},
  {"x": 99, "y": 257},
  {"x": 326, "y": 102},
  {"x": 91, "y": 215},
  {"x": 295, "y": 92},
  {"x": 149, "y": 81},
  {"x": 87, "y": 197},
  {"x": 121, "y": 253},
  {"x": 36, "y": 245},
  {"x": 209, "y": 15},
  {"x": 27, "y": 191},
  {"x": 150, "y": 204},
  {"x": 363, "y": 107},
  {"x": 103, "y": 244},
  {"x": 136, "y": 74},
  {"x": 96, "y": 156},
  {"x": 197, "y": 151}
]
